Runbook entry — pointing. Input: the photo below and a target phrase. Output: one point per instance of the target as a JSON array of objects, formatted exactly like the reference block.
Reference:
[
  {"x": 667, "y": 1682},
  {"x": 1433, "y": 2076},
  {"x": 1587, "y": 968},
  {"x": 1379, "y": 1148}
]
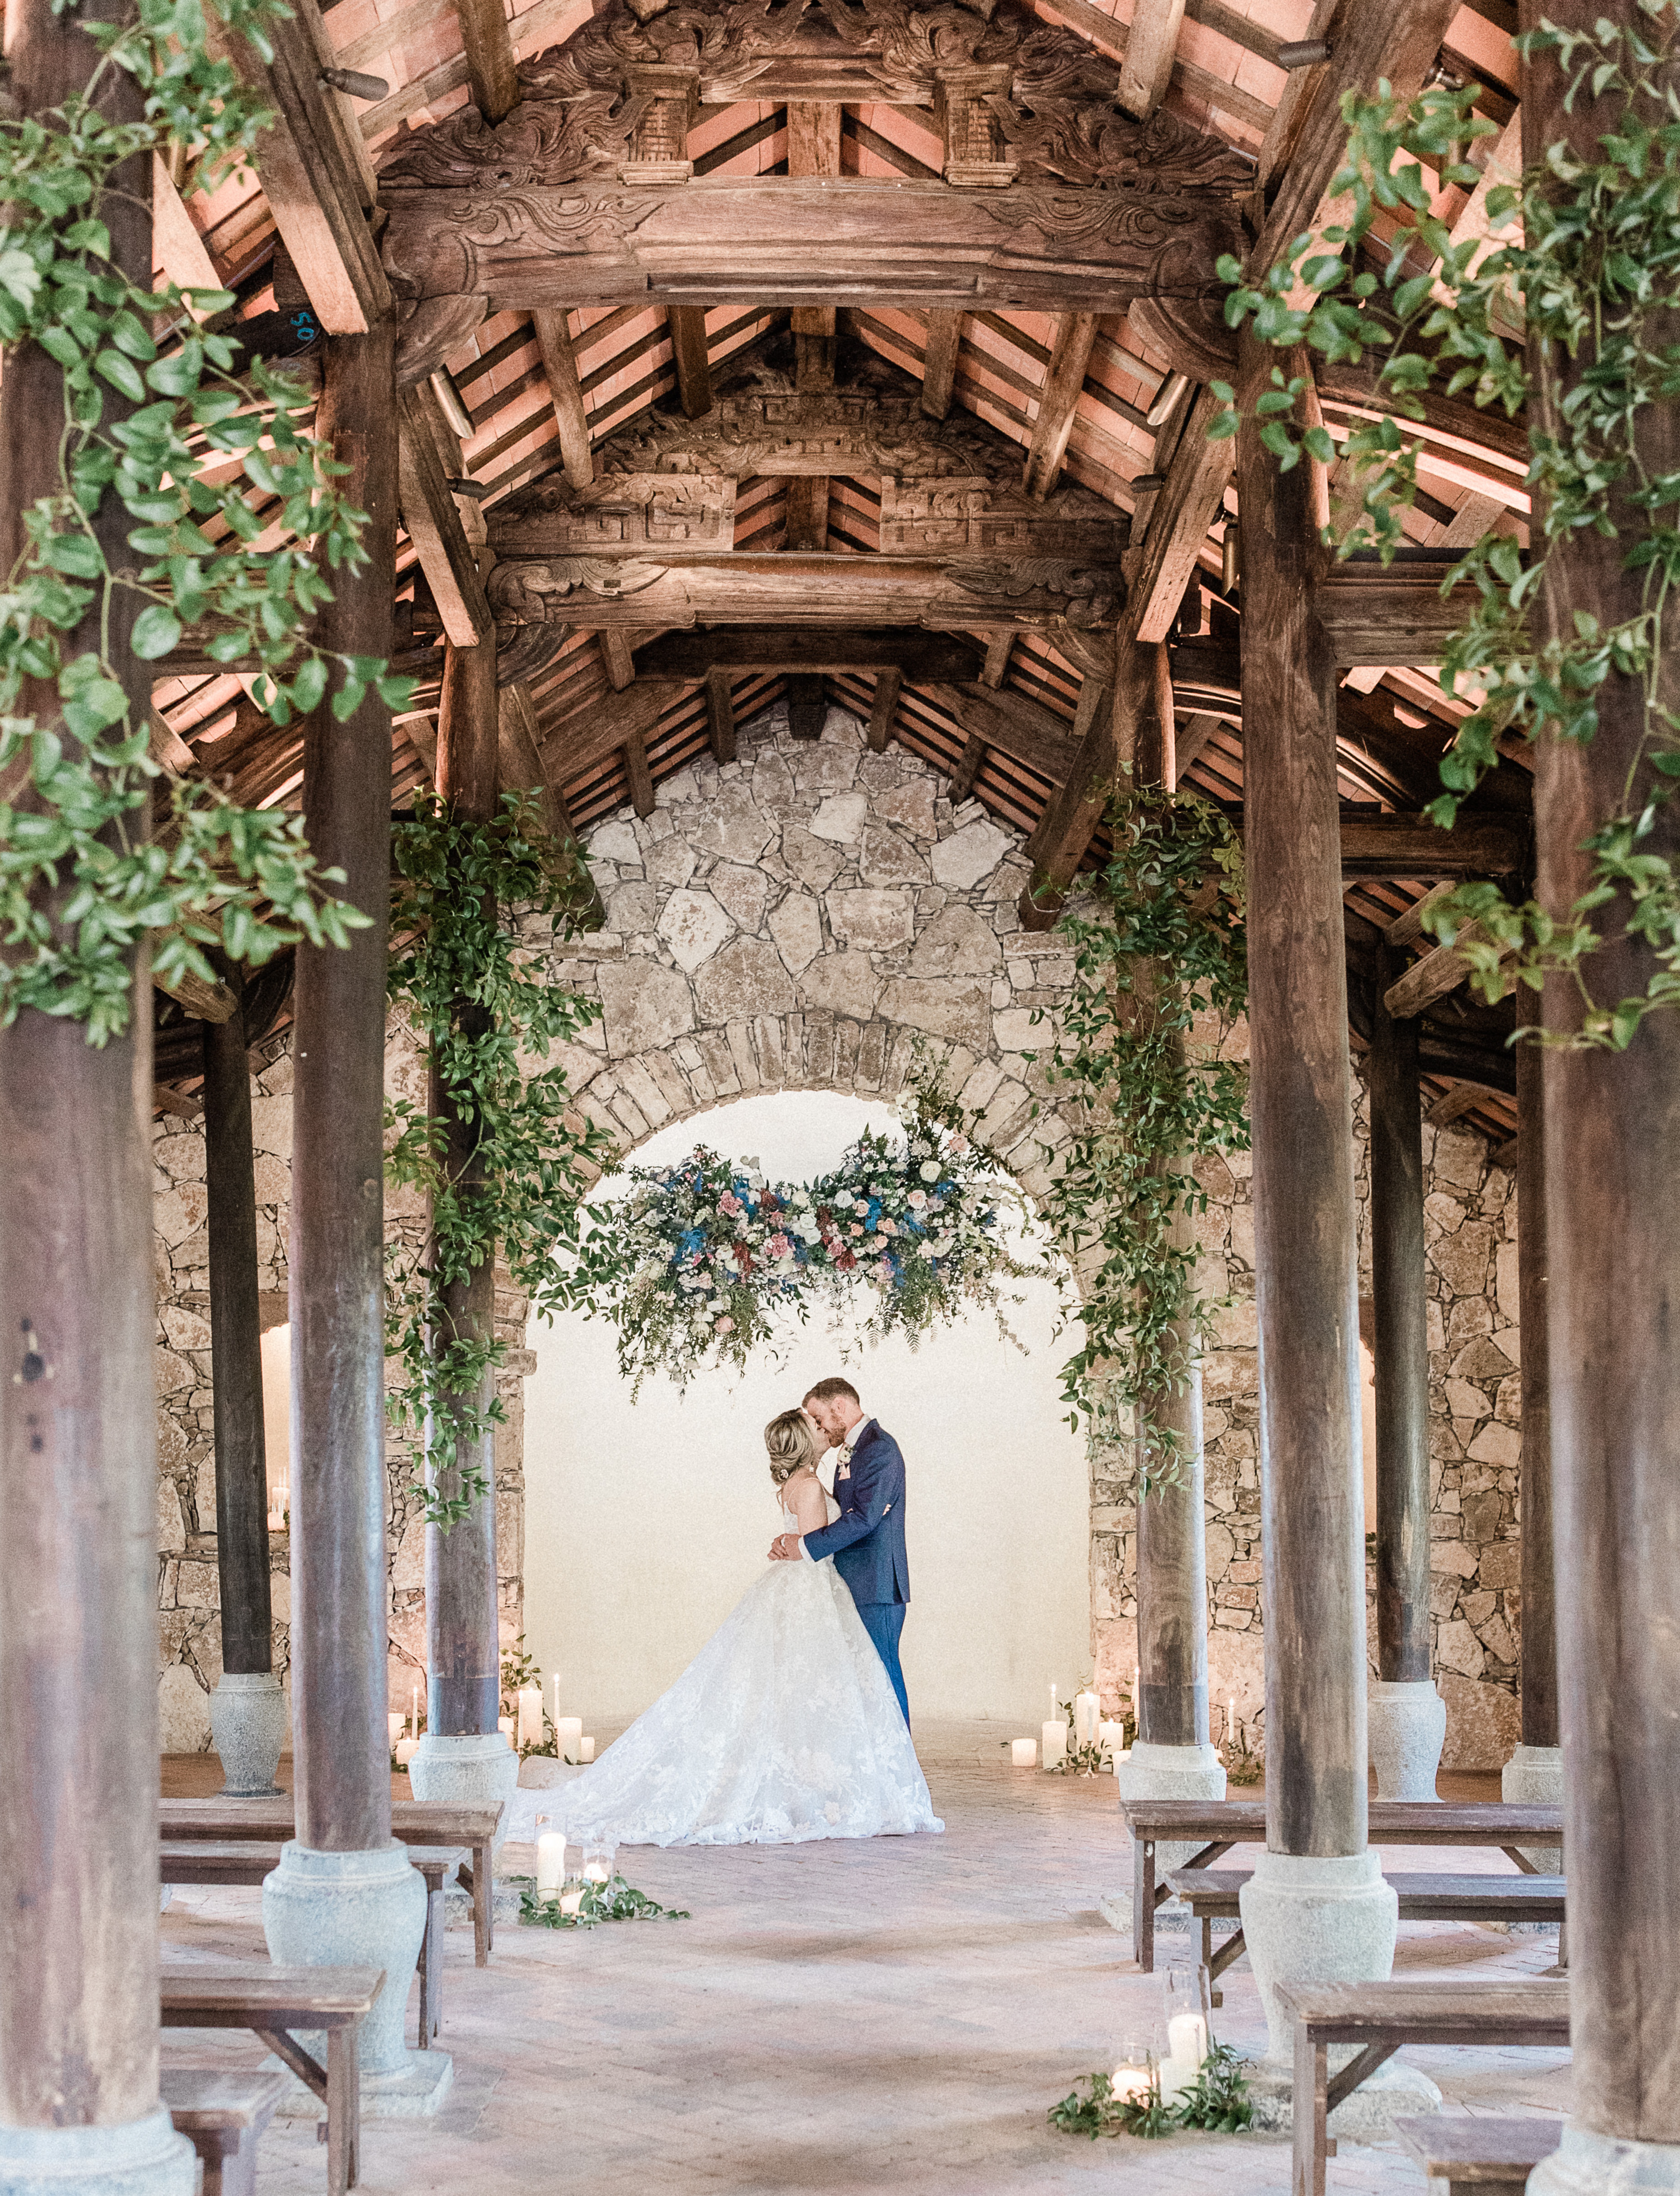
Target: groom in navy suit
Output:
[{"x": 867, "y": 1539}]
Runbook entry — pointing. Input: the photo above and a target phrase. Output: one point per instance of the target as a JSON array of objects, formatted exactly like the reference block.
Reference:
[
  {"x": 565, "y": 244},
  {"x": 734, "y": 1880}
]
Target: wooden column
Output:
[
  {"x": 78, "y": 1633},
  {"x": 1402, "y": 1342},
  {"x": 1172, "y": 1566},
  {"x": 1540, "y": 1575},
  {"x": 339, "y": 1497},
  {"x": 1305, "y": 1274},
  {"x": 463, "y": 1656},
  {"x": 1613, "y": 1222},
  {"x": 236, "y": 1344}
]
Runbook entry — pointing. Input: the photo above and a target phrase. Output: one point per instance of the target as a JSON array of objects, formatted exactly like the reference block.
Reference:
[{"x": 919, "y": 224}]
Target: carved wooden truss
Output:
[{"x": 1051, "y": 194}]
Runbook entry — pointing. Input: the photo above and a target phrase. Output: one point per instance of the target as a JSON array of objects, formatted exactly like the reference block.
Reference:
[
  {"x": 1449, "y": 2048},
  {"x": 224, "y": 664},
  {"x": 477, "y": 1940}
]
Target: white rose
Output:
[{"x": 930, "y": 1171}]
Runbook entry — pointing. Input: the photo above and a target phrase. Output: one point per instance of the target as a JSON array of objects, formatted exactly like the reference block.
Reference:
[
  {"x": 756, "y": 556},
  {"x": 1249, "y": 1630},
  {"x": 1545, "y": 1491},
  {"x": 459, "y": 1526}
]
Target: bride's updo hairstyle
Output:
[{"x": 791, "y": 1444}]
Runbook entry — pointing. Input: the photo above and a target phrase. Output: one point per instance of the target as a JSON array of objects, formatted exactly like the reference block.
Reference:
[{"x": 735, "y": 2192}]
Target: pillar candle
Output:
[
  {"x": 571, "y": 1902},
  {"x": 1055, "y": 1743},
  {"x": 586, "y": 1749},
  {"x": 1086, "y": 1716},
  {"x": 414, "y": 1710},
  {"x": 1130, "y": 2084},
  {"x": 551, "y": 1862},
  {"x": 554, "y": 1718},
  {"x": 1023, "y": 1752},
  {"x": 1231, "y": 1720},
  {"x": 530, "y": 1715},
  {"x": 406, "y": 1748},
  {"x": 504, "y": 1724},
  {"x": 1187, "y": 2036},
  {"x": 568, "y": 1736},
  {"x": 394, "y": 1726}
]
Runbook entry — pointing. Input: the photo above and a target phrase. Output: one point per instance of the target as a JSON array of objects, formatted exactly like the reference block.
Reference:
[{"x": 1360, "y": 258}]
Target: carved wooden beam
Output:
[
  {"x": 916, "y": 656},
  {"x": 1064, "y": 378},
  {"x": 314, "y": 185},
  {"x": 434, "y": 523},
  {"x": 756, "y": 589},
  {"x": 571, "y": 415},
  {"x": 1390, "y": 613},
  {"x": 618, "y": 515},
  {"x": 781, "y": 240},
  {"x": 693, "y": 358}
]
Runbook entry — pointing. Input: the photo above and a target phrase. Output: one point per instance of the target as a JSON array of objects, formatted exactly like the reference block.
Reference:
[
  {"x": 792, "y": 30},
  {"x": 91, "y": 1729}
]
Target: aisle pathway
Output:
[{"x": 892, "y": 2015}]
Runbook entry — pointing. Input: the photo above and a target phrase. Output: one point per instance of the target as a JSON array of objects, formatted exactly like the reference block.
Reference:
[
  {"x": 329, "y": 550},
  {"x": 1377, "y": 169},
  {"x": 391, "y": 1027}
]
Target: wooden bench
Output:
[
  {"x": 236, "y": 1862},
  {"x": 276, "y": 2003},
  {"x": 1212, "y": 1894},
  {"x": 1477, "y": 2157},
  {"x": 222, "y": 2115},
  {"x": 415, "y": 1821},
  {"x": 1379, "y": 2019},
  {"x": 1216, "y": 1825}
]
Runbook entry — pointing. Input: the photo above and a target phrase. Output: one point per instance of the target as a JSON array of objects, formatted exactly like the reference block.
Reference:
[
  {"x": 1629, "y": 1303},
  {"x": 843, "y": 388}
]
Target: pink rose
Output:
[
  {"x": 725, "y": 1325},
  {"x": 730, "y": 1202},
  {"x": 779, "y": 1246},
  {"x": 887, "y": 1227},
  {"x": 959, "y": 1144},
  {"x": 916, "y": 1199}
]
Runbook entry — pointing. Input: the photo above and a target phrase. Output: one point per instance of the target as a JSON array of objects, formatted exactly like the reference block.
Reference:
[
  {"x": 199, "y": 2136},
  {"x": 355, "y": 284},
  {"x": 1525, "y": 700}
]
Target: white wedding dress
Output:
[{"x": 785, "y": 1727}]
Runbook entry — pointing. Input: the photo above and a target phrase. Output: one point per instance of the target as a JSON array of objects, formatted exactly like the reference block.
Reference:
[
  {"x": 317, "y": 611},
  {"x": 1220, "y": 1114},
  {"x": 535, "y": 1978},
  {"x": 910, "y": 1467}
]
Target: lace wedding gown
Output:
[{"x": 784, "y": 1727}]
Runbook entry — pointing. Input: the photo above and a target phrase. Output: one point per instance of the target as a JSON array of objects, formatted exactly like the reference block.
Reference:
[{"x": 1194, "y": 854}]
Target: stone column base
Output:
[
  {"x": 355, "y": 1909},
  {"x": 1314, "y": 1920},
  {"x": 1392, "y": 2092},
  {"x": 1407, "y": 1724},
  {"x": 1170, "y": 1772},
  {"x": 1534, "y": 1776},
  {"x": 479, "y": 1769},
  {"x": 1585, "y": 2163},
  {"x": 250, "y": 1725},
  {"x": 141, "y": 2157}
]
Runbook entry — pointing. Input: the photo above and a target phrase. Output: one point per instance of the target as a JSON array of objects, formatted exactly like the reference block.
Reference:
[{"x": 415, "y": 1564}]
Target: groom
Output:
[{"x": 867, "y": 1539}]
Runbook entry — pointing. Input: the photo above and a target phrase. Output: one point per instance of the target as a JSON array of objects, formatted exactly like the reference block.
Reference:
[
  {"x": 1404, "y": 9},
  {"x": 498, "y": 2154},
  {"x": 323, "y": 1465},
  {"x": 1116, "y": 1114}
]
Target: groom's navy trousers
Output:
[{"x": 867, "y": 1542}]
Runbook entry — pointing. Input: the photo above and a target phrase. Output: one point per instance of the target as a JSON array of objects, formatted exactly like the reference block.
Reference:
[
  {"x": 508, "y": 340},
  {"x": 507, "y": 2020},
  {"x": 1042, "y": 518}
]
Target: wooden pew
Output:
[
  {"x": 222, "y": 2115},
  {"x": 1216, "y": 1825},
  {"x": 276, "y": 2003},
  {"x": 1212, "y": 1894},
  {"x": 191, "y": 1862},
  {"x": 415, "y": 1821},
  {"x": 1477, "y": 2157},
  {"x": 1379, "y": 2019}
]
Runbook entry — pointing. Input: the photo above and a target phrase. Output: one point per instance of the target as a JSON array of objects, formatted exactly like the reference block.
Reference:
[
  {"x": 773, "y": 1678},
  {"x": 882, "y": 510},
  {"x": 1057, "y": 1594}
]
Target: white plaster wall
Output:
[{"x": 645, "y": 1522}]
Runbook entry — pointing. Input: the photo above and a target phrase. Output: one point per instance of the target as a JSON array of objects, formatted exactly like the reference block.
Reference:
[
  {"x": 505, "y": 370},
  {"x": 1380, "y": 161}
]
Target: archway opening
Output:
[{"x": 647, "y": 1519}]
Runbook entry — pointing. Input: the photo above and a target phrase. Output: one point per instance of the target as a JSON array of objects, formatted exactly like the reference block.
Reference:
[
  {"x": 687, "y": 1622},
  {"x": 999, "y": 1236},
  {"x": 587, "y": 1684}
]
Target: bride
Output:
[{"x": 784, "y": 1727}]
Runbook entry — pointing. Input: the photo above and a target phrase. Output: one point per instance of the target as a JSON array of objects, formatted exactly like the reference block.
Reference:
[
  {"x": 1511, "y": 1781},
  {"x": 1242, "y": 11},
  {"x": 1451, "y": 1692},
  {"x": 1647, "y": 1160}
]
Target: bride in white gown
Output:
[{"x": 784, "y": 1727}]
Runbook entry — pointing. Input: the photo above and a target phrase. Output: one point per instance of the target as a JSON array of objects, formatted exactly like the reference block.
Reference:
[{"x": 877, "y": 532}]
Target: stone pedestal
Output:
[
  {"x": 1534, "y": 1777},
  {"x": 1405, "y": 1726},
  {"x": 479, "y": 1771},
  {"x": 1170, "y": 1772},
  {"x": 359, "y": 1909},
  {"x": 139, "y": 2158},
  {"x": 1586, "y": 2164},
  {"x": 249, "y": 1723}
]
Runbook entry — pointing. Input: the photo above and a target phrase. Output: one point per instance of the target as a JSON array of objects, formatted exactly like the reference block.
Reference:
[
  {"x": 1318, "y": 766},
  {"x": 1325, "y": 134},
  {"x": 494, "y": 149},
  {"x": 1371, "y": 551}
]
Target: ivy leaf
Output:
[
  {"x": 122, "y": 373},
  {"x": 156, "y": 631}
]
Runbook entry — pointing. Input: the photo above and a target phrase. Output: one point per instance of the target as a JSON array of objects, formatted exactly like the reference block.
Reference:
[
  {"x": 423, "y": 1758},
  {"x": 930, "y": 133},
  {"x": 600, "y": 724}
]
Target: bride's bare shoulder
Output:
[{"x": 803, "y": 1495}]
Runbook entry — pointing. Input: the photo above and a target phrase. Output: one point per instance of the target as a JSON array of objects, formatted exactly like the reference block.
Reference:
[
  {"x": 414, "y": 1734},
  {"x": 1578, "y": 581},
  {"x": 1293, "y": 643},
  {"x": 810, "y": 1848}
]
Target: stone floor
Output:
[{"x": 841, "y": 2017}]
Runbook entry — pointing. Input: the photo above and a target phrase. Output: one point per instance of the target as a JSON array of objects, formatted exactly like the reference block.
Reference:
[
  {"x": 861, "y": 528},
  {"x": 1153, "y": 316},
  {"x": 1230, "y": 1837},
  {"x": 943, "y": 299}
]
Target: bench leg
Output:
[
  {"x": 1143, "y": 1903},
  {"x": 1232, "y": 1949},
  {"x": 480, "y": 1880},
  {"x": 1212, "y": 1996},
  {"x": 1311, "y": 2113},
  {"x": 430, "y": 1968},
  {"x": 343, "y": 2110}
]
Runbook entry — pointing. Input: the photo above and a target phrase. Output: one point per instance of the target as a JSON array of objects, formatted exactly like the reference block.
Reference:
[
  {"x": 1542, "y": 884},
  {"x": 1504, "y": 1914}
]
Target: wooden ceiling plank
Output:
[
  {"x": 433, "y": 525},
  {"x": 1433, "y": 976},
  {"x": 571, "y": 414},
  {"x": 1407, "y": 929},
  {"x": 999, "y": 649},
  {"x": 590, "y": 733},
  {"x": 1011, "y": 722},
  {"x": 1162, "y": 568},
  {"x": 1064, "y": 379}
]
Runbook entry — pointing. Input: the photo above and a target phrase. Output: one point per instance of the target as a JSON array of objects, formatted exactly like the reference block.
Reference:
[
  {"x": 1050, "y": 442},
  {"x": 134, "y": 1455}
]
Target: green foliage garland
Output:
[
  {"x": 1217, "y": 2101},
  {"x": 80, "y": 886},
  {"x": 1158, "y": 948},
  {"x": 484, "y": 1005},
  {"x": 617, "y": 1901},
  {"x": 1590, "y": 275}
]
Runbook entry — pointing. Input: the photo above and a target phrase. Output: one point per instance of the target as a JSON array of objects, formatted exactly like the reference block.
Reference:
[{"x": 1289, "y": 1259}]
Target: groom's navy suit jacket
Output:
[{"x": 867, "y": 1539}]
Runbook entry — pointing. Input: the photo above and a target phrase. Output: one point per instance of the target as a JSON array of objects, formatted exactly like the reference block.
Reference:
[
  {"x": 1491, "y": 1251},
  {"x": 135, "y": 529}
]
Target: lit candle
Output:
[
  {"x": 1231, "y": 1720},
  {"x": 568, "y": 1736},
  {"x": 571, "y": 1902},
  {"x": 530, "y": 1716},
  {"x": 555, "y": 1718},
  {"x": 1023, "y": 1752},
  {"x": 1086, "y": 1716},
  {"x": 1055, "y": 1700},
  {"x": 1131, "y": 2084},
  {"x": 414, "y": 1710},
  {"x": 1187, "y": 2042},
  {"x": 1055, "y": 1743},
  {"x": 551, "y": 1862},
  {"x": 598, "y": 1861},
  {"x": 1111, "y": 1739},
  {"x": 586, "y": 1749}
]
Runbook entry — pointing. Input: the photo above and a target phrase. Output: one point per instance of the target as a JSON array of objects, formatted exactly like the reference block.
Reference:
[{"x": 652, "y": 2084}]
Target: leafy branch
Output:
[
  {"x": 1583, "y": 267},
  {"x": 486, "y": 1006},
  {"x": 1160, "y": 976},
  {"x": 81, "y": 882}
]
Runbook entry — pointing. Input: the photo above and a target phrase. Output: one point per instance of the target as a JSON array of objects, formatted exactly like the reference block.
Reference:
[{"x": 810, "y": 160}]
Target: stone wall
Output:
[{"x": 800, "y": 919}]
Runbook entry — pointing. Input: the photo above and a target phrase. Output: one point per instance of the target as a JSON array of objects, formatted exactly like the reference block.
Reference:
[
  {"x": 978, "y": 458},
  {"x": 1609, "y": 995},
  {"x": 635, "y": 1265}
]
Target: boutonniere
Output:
[{"x": 843, "y": 1469}]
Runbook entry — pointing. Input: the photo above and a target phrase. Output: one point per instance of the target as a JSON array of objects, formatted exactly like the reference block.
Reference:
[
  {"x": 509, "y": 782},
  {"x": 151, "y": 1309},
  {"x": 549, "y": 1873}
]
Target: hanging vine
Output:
[
  {"x": 82, "y": 881},
  {"x": 485, "y": 1004},
  {"x": 1160, "y": 977},
  {"x": 1591, "y": 272}
]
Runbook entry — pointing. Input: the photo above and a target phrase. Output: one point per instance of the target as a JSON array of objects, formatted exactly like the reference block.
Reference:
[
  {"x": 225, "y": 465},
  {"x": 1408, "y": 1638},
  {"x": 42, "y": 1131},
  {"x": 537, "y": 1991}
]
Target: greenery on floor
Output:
[
  {"x": 617, "y": 1901},
  {"x": 1218, "y": 2101},
  {"x": 1568, "y": 318}
]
